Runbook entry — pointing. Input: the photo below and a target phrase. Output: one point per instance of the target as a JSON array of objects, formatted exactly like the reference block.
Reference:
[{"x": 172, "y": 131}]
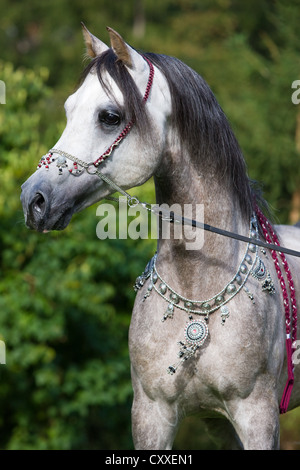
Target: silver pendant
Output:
[
  {"x": 268, "y": 285},
  {"x": 195, "y": 332},
  {"x": 224, "y": 313},
  {"x": 259, "y": 270}
]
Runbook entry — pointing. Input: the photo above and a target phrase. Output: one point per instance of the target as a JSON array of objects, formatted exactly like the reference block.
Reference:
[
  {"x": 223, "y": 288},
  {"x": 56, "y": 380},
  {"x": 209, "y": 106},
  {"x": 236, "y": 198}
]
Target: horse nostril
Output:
[{"x": 38, "y": 204}]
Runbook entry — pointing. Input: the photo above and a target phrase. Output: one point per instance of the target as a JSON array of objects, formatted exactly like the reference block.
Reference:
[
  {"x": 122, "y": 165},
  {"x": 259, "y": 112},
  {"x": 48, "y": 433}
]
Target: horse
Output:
[{"x": 210, "y": 333}]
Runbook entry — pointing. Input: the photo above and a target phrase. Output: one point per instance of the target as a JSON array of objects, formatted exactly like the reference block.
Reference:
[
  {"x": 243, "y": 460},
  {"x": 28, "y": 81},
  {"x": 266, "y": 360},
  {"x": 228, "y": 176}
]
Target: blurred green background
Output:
[{"x": 66, "y": 298}]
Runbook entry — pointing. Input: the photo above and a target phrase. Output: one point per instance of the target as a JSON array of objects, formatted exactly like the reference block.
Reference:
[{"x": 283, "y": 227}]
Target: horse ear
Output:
[
  {"x": 125, "y": 53},
  {"x": 94, "y": 46}
]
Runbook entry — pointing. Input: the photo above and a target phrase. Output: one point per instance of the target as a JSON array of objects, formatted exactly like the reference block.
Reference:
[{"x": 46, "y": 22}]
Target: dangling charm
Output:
[
  {"x": 75, "y": 171},
  {"x": 169, "y": 312},
  {"x": 260, "y": 272},
  {"x": 224, "y": 313},
  {"x": 149, "y": 289},
  {"x": 61, "y": 162},
  {"x": 250, "y": 295},
  {"x": 195, "y": 332},
  {"x": 268, "y": 285}
]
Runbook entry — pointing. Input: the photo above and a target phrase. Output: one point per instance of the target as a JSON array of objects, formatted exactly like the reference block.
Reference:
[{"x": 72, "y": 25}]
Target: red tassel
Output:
[
  {"x": 286, "y": 396},
  {"x": 290, "y": 381}
]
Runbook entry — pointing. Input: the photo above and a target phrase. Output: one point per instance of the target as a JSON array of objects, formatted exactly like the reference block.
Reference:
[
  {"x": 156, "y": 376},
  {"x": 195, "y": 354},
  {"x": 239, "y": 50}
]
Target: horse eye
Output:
[{"x": 109, "y": 117}]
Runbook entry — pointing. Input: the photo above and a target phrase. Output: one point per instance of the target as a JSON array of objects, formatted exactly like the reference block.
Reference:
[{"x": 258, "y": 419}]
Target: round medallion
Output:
[{"x": 196, "y": 332}]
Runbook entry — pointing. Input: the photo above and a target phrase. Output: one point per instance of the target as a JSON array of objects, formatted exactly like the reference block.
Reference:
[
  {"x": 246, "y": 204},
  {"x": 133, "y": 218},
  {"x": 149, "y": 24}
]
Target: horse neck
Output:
[{"x": 180, "y": 182}]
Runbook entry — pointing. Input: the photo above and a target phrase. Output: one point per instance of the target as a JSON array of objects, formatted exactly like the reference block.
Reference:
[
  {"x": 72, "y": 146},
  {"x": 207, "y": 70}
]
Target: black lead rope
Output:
[{"x": 172, "y": 217}]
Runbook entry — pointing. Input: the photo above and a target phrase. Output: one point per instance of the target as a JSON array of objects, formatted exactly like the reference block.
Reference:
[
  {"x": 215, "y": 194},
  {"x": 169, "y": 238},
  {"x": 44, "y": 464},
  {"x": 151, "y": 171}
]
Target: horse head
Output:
[{"x": 117, "y": 98}]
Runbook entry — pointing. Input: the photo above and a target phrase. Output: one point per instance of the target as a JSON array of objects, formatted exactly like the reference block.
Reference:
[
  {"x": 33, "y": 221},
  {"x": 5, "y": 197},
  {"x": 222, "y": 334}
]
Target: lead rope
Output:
[{"x": 290, "y": 306}]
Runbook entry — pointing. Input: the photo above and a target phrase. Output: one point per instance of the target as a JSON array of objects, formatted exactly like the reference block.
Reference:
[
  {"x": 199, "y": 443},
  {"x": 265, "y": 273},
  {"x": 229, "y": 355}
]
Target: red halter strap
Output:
[{"x": 128, "y": 127}]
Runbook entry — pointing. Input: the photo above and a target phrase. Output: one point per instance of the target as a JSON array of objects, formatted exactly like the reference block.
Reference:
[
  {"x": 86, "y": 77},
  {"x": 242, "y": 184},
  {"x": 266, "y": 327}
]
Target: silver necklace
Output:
[{"x": 196, "y": 330}]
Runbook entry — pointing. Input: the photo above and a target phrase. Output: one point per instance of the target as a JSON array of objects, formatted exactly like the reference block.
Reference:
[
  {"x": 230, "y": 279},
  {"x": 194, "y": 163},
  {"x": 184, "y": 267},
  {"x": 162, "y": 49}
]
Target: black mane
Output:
[{"x": 202, "y": 126}]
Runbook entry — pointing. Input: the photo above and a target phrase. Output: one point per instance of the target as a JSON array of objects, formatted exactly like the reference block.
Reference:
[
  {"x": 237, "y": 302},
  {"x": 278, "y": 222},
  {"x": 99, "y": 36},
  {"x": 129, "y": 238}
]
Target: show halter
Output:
[
  {"x": 271, "y": 240},
  {"x": 61, "y": 162}
]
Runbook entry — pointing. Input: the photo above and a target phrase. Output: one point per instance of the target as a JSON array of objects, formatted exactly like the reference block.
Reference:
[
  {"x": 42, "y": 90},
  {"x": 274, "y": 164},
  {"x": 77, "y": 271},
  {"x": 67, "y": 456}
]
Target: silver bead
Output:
[
  {"x": 154, "y": 278},
  {"x": 205, "y": 306},
  {"x": 252, "y": 248},
  {"x": 243, "y": 269},
  {"x": 188, "y": 305},
  {"x": 248, "y": 259},
  {"x": 174, "y": 298},
  {"x": 231, "y": 289},
  {"x": 239, "y": 279},
  {"x": 162, "y": 288},
  {"x": 219, "y": 299}
]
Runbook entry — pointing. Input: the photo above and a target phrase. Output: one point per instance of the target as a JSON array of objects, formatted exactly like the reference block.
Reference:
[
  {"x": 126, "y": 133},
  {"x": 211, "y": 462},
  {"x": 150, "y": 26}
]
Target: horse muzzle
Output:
[{"x": 40, "y": 209}]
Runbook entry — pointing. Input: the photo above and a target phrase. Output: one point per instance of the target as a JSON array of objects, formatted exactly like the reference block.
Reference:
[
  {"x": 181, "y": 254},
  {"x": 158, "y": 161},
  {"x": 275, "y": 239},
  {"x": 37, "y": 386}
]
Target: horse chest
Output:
[{"x": 226, "y": 366}]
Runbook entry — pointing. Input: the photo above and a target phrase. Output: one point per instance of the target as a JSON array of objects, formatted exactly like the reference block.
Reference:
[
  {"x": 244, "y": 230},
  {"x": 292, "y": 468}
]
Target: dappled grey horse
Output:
[{"x": 213, "y": 329}]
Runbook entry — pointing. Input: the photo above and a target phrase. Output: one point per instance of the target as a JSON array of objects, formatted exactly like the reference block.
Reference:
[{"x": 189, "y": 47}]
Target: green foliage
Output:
[{"x": 66, "y": 298}]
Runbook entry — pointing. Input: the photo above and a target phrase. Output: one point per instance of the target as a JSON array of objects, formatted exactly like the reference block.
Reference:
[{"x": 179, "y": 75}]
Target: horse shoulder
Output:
[{"x": 289, "y": 235}]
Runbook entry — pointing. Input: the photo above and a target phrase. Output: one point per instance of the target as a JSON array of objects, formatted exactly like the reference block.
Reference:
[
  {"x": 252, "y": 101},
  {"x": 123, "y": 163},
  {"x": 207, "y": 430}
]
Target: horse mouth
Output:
[
  {"x": 47, "y": 222},
  {"x": 63, "y": 220}
]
